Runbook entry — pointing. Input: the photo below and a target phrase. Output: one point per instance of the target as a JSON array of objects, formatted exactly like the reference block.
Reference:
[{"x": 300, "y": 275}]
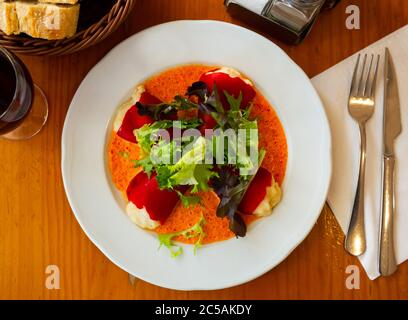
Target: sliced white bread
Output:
[
  {"x": 8, "y": 18},
  {"x": 39, "y": 20},
  {"x": 59, "y": 1}
]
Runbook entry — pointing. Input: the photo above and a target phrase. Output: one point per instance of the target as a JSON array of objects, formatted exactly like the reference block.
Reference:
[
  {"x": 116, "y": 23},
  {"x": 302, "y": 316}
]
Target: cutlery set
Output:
[{"x": 361, "y": 106}]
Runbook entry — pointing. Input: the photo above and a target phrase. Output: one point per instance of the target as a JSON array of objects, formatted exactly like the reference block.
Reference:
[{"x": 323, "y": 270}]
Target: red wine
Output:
[
  {"x": 7, "y": 84},
  {"x": 16, "y": 92}
]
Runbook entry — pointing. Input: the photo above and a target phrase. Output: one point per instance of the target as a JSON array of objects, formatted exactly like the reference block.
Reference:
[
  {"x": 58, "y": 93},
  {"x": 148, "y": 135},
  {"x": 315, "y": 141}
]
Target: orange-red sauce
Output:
[{"x": 121, "y": 155}]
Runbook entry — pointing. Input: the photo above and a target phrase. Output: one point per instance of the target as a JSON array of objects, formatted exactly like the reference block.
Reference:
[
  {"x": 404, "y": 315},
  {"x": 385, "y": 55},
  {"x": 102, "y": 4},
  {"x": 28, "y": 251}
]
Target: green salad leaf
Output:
[
  {"x": 188, "y": 200},
  {"x": 195, "y": 231},
  {"x": 147, "y": 136},
  {"x": 188, "y": 171},
  {"x": 146, "y": 164}
]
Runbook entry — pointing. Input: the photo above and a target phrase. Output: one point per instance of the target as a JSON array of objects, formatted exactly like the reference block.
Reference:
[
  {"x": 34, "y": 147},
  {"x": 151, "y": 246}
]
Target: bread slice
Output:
[
  {"x": 47, "y": 21},
  {"x": 8, "y": 18},
  {"x": 59, "y": 1},
  {"x": 49, "y": 1}
]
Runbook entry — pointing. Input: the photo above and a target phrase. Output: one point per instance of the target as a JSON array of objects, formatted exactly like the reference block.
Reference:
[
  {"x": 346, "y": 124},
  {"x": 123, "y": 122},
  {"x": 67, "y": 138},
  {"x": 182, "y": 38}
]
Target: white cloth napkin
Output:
[
  {"x": 333, "y": 86},
  {"x": 254, "y": 5}
]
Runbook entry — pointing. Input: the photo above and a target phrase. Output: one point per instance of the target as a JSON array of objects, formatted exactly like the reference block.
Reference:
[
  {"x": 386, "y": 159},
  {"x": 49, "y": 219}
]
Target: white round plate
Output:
[{"x": 101, "y": 213}]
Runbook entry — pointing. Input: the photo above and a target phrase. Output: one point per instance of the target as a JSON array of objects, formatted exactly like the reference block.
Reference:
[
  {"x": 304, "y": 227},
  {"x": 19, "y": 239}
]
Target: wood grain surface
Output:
[{"x": 37, "y": 227}]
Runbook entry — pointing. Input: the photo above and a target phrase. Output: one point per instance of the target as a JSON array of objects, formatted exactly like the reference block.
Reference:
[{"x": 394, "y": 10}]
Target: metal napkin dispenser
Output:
[{"x": 288, "y": 20}]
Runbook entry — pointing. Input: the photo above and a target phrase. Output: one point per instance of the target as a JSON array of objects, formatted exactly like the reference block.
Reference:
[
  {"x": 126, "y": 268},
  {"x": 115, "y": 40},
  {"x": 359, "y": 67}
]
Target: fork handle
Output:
[
  {"x": 356, "y": 239},
  {"x": 388, "y": 263}
]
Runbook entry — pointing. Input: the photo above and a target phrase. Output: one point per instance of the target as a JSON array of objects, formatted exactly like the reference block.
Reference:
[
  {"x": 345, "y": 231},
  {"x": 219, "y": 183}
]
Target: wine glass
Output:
[{"x": 23, "y": 105}]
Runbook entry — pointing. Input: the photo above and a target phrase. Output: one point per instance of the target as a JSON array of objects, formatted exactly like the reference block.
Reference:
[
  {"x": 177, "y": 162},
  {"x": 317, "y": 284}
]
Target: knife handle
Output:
[{"x": 388, "y": 263}]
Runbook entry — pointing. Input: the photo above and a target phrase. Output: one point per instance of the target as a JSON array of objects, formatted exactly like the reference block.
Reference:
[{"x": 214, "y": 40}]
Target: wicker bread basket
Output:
[{"x": 81, "y": 40}]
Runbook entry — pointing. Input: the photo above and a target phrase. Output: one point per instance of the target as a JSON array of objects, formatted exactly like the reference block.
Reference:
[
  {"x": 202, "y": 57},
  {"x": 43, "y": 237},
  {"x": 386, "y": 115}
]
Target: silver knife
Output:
[{"x": 391, "y": 130}]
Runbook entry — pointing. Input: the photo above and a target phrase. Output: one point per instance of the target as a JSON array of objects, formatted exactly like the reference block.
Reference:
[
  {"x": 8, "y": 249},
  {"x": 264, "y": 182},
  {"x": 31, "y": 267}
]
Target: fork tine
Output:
[
  {"x": 353, "y": 87},
  {"x": 367, "y": 82},
  {"x": 360, "y": 82},
  {"x": 374, "y": 82}
]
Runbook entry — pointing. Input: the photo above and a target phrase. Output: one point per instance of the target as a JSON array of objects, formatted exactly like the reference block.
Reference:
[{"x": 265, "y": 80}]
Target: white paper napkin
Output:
[
  {"x": 256, "y": 6},
  {"x": 333, "y": 86}
]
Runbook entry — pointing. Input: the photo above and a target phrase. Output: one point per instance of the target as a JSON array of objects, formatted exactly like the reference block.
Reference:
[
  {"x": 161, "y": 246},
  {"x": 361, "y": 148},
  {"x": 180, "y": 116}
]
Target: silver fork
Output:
[{"x": 361, "y": 108}]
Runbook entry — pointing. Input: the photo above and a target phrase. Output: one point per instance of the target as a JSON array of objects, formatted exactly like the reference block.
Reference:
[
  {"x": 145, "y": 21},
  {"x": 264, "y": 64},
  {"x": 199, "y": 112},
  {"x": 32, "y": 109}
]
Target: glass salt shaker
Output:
[{"x": 294, "y": 14}]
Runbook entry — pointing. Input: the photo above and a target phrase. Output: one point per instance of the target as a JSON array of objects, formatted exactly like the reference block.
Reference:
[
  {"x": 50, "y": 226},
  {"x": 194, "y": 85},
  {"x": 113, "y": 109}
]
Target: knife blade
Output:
[
  {"x": 392, "y": 128},
  {"x": 392, "y": 109}
]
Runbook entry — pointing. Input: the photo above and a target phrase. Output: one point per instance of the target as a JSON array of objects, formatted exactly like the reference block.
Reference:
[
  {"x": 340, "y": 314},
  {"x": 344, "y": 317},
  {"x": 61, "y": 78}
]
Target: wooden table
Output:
[{"x": 37, "y": 227}]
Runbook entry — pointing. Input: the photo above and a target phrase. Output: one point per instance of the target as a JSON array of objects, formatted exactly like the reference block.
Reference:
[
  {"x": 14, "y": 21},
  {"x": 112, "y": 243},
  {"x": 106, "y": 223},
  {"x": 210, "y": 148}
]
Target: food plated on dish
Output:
[
  {"x": 101, "y": 209},
  {"x": 198, "y": 154}
]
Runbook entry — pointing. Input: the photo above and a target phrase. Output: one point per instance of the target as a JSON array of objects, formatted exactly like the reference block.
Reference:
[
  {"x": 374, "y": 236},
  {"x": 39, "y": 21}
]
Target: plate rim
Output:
[{"x": 228, "y": 284}]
